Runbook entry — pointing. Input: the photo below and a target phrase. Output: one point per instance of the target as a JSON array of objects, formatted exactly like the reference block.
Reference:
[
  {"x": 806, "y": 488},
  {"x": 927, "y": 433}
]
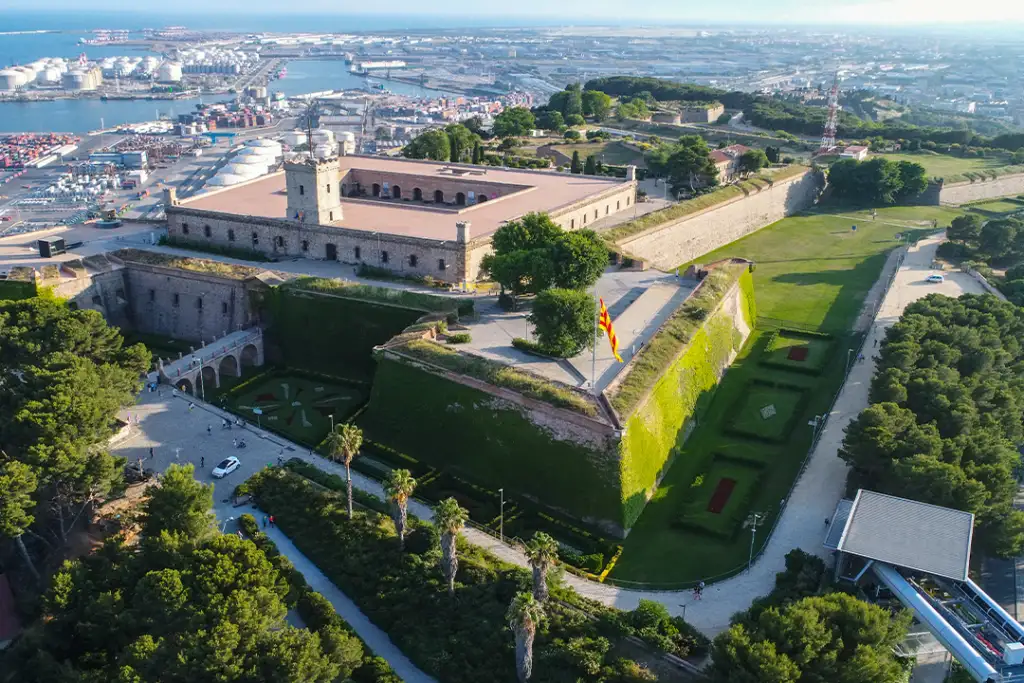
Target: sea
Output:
[{"x": 303, "y": 76}]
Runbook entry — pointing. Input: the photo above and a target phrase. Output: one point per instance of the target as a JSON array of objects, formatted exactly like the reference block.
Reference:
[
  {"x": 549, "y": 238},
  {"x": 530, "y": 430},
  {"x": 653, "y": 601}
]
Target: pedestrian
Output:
[
  {"x": 151, "y": 455},
  {"x": 264, "y": 521},
  {"x": 826, "y": 521},
  {"x": 224, "y": 423},
  {"x": 876, "y": 343},
  {"x": 271, "y": 520},
  {"x": 209, "y": 430},
  {"x": 234, "y": 443},
  {"x": 860, "y": 357},
  {"x": 696, "y": 593},
  {"x": 700, "y": 590},
  {"x": 240, "y": 534},
  {"x": 202, "y": 461},
  {"x": 177, "y": 454},
  {"x": 174, "y": 393},
  {"x": 191, "y": 407}
]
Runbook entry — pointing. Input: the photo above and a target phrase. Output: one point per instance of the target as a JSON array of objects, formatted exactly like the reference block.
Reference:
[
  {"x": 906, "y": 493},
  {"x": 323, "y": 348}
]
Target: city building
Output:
[{"x": 415, "y": 218}]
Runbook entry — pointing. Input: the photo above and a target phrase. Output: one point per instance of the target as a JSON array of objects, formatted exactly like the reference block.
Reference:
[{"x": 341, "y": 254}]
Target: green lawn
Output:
[
  {"x": 1001, "y": 206},
  {"x": 700, "y": 515},
  {"x": 780, "y": 351},
  {"x": 766, "y": 412},
  {"x": 813, "y": 272},
  {"x": 608, "y": 151},
  {"x": 295, "y": 405},
  {"x": 945, "y": 165}
]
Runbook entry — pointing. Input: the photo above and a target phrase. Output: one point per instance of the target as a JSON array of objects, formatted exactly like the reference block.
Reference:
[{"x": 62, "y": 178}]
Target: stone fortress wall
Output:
[
  {"x": 961, "y": 193},
  {"x": 672, "y": 244}
]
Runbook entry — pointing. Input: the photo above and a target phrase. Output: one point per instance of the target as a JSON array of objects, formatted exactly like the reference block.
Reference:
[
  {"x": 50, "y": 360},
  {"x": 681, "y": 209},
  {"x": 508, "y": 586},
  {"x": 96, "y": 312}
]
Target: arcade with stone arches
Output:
[{"x": 229, "y": 356}]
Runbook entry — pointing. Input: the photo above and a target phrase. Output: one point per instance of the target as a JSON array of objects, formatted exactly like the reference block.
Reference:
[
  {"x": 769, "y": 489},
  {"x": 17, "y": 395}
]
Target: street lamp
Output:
[
  {"x": 754, "y": 519},
  {"x": 501, "y": 515},
  {"x": 224, "y": 525},
  {"x": 849, "y": 360},
  {"x": 332, "y": 422},
  {"x": 202, "y": 382}
]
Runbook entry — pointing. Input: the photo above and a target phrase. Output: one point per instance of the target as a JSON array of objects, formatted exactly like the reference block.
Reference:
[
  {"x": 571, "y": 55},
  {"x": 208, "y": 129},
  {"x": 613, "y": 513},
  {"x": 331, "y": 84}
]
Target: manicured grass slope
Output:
[
  {"x": 945, "y": 165},
  {"x": 813, "y": 271}
]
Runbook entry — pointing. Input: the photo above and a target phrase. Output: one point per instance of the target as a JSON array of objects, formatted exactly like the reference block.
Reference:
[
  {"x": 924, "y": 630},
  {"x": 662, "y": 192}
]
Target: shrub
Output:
[
  {"x": 459, "y": 338},
  {"x": 336, "y": 483},
  {"x": 649, "y": 614}
]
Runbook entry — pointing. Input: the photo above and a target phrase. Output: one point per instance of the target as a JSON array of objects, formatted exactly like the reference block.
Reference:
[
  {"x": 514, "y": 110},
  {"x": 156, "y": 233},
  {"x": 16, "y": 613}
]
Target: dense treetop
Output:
[
  {"x": 946, "y": 413},
  {"x": 877, "y": 181}
]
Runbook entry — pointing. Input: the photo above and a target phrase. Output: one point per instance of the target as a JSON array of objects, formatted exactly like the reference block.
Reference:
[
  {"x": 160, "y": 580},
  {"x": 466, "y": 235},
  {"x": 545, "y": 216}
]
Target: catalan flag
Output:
[{"x": 604, "y": 321}]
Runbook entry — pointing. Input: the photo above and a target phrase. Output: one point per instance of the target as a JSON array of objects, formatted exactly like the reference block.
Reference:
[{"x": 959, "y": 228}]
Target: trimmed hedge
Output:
[
  {"x": 816, "y": 367},
  {"x": 336, "y": 483},
  {"x": 742, "y": 407}
]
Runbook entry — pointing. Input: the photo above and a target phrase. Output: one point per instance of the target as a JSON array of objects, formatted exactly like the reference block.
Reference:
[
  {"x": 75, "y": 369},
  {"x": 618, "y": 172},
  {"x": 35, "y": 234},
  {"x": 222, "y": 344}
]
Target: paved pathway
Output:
[{"x": 168, "y": 424}]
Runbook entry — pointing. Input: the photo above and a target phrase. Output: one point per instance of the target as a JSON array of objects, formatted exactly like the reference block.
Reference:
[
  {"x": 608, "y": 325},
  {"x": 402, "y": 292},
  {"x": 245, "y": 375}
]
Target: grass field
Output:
[
  {"x": 295, "y": 405},
  {"x": 608, "y": 151},
  {"x": 945, "y": 165},
  {"x": 814, "y": 272},
  {"x": 719, "y": 499},
  {"x": 1000, "y": 206},
  {"x": 766, "y": 412},
  {"x": 815, "y": 351}
]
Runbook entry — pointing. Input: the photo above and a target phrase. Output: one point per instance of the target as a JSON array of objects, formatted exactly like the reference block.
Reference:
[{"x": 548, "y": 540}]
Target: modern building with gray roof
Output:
[{"x": 906, "y": 533}]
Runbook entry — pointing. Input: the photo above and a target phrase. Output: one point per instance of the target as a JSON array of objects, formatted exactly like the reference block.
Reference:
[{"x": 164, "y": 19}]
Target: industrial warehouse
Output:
[{"x": 414, "y": 218}]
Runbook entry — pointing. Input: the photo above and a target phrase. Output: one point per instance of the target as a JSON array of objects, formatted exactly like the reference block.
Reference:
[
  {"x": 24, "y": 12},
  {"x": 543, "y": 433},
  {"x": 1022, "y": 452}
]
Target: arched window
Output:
[
  {"x": 206, "y": 230},
  {"x": 417, "y": 194},
  {"x": 413, "y": 260},
  {"x": 396, "y": 192},
  {"x": 460, "y": 199},
  {"x": 481, "y": 198},
  {"x": 438, "y": 197},
  {"x": 279, "y": 241},
  {"x": 376, "y": 190},
  {"x": 184, "y": 228}
]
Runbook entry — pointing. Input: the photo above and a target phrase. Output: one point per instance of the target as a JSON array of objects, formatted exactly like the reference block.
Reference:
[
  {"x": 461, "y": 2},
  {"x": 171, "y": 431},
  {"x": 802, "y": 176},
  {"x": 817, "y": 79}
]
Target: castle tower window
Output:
[
  {"x": 413, "y": 260},
  {"x": 231, "y": 235},
  {"x": 206, "y": 230},
  {"x": 302, "y": 190},
  {"x": 176, "y": 298},
  {"x": 184, "y": 228},
  {"x": 224, "y": 307},
  {"x": 328, "y": 188},
  {"x": 383, "y": 257},
  {"x": 255, "y": 239},
  {"x": 279, "y": 241},
  {"x": 358, "y": 253},
  {"x": 440, "y": 264},
  {"x": 305, "y": 245},
  {"x": 199, "y": 302}
]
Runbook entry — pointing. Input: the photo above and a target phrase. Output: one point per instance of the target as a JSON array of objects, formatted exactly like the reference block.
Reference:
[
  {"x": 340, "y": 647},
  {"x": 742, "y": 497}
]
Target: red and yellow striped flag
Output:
[{"x": 604, "y": 321}]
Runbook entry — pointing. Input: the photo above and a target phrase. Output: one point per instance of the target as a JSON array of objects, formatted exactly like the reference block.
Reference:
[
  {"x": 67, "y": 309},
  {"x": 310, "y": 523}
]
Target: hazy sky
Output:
[{"x": 648, "y": 12}]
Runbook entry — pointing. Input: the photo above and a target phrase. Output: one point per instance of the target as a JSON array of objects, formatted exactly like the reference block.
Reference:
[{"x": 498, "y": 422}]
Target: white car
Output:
[
  {"x": 935, "y": 278},
  {"x": 226, "y": 467}
]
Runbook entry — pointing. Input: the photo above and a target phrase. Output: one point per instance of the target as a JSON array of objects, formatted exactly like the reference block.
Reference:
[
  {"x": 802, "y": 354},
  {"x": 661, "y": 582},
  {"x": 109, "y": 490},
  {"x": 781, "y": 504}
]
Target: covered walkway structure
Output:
[{"x": 920, "y": 553}]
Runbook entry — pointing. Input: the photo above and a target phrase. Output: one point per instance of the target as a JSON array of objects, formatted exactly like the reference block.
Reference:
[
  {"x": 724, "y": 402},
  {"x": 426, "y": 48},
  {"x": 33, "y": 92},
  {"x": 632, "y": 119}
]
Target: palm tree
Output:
[
  {"x": 524, "y": 615},
  {"x": 542, "y": 552},
  {"x": 449, "y": 517},
  {"x": 399, "y": 488},
  {"x": 344, "y": 444}
]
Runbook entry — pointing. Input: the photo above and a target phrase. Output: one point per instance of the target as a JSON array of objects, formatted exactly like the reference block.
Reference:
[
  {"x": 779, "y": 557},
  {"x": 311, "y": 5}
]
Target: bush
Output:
[
  {"x": 648, "y": 614},
  {"x": 459, "y": 338},
  {"x": 336, "y": 483},
  {"x": 528, "y": 346}
]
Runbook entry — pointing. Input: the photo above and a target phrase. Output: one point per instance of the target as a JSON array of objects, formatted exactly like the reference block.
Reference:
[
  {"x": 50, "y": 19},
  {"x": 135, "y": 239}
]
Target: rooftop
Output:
[
  {"x": 908, "y": 533},
  {"x": 542, "y": 191}
]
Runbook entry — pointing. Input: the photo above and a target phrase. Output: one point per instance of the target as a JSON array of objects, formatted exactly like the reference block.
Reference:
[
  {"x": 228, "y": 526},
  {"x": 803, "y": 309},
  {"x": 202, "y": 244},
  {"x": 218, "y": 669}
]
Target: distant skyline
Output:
[{"x": 567, "y": 12}]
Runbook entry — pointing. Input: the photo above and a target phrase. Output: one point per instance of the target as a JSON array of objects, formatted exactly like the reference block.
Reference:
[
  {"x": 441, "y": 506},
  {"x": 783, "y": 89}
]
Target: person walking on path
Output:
[
  {"x": 209, "y": 430},
  {"x": 271, "y": 520},
  {"x": 264, "y": 521},
  {"x": 151, "y": 454},
  {"x": 202, "y": 461},
  {"x": 876, "y": 342}
]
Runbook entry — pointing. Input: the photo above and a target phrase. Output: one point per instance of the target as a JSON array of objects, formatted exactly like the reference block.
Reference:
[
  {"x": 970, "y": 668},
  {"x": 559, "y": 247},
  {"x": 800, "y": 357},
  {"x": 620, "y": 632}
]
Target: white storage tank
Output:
[
  {"x": 169, "y": 72},
  {"x": 245, "y": 170},
  {"x": 322, "y": 135},
  {"x": 10, "y": 80},
  {"x": 294, "y": 138},
  {"x": 225, "y": 179},
  {"x": 50, "y": 75},
  {"x": 75, "y": 80}
]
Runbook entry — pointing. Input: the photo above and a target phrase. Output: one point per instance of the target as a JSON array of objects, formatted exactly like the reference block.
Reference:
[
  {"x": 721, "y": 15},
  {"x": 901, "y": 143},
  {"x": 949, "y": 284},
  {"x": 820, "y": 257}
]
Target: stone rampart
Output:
[
  {"x": 672, "y": 244},
  {"x": 961, "y": 193}
]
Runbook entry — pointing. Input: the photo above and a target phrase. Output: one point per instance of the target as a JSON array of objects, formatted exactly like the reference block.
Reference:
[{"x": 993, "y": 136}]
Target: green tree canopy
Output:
[
  {"x": 461, "y": 141},
  {"x": 877, "y": 180},
  {"x": 596, "y": 104},
  {"x": 176, "y": 609},
  {"x": 514, "y": 121},
  {"x": 966, "y": 228},
  {"x": 590, "y": 165},
  {"x": 947, "y": 413},
  {"x": 550, "y": 119},
  {"x": 563, "y": 321},
  {"x": 569, "y": 101},
  {"x": 575, "y": 166},
  {"x": 635, "y": 108},
  {"x": 179, "y": 504},
  {"x": 686, "y": 163},
  {"x": 833, "y": 637},
  {"x": 534, "y": 253},
  {"x": 752, "y": 161},
  {"x": 431, "y": 144},
  {"x": 65, "y": 374}
]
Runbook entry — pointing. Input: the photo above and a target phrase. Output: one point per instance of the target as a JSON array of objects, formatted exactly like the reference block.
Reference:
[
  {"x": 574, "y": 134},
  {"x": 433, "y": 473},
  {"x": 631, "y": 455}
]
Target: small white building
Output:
[{"x": 858, "y": 152}]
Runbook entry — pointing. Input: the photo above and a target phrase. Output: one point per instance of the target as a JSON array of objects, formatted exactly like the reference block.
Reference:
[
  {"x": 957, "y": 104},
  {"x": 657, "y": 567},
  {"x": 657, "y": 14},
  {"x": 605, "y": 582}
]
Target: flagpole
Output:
[{"x": 593, "y": 353}]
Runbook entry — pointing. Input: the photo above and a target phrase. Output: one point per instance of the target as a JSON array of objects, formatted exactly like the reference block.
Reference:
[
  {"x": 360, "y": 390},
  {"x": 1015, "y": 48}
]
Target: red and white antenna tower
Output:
[{"x": 828, "y": 138}]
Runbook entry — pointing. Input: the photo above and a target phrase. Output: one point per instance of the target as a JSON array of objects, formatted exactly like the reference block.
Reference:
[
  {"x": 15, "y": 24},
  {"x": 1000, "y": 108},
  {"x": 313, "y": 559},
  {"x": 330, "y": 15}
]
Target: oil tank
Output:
[
  {"x": 9, "y": 80},
  {"x": 169, "y": 72}
]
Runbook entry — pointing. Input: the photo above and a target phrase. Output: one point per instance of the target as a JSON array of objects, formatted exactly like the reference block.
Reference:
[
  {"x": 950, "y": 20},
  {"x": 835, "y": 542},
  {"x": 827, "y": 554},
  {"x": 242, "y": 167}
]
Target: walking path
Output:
[
  {"x": 375, "y": 639},
  {"x": 168, "y": 424}
]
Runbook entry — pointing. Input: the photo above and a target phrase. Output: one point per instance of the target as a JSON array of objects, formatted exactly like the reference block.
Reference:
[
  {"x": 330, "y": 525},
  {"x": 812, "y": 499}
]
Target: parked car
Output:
[
  {"x": 226, "y": 467},
  {"x": 935, "y": 278}
]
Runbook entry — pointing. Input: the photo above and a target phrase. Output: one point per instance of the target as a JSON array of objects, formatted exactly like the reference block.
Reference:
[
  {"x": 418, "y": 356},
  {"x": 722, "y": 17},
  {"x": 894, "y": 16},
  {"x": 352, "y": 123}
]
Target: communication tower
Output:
[{"x": 828, "y": 137}]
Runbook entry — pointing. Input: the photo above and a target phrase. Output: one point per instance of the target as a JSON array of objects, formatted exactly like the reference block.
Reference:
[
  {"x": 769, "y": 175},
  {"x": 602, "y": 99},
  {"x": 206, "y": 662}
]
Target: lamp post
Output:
[
  {"x": 202, "y": 383},
  {"x": 501, "y": 515},
  {"x": 224, "y": 524},
  {"x": 754, "y": 519},
  {"x": 849, "y": 360},
  {"x": 332, "y": 422}
]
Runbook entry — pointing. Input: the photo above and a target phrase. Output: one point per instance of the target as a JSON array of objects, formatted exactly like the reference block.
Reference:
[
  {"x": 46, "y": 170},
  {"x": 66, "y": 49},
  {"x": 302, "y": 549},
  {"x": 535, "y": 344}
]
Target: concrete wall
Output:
[
  {"x": 584, "y": 213},
  {"x": 960, "y": 193},
  {"x": 690, "y": 237},
  {"x": 103, "y": 292}
]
